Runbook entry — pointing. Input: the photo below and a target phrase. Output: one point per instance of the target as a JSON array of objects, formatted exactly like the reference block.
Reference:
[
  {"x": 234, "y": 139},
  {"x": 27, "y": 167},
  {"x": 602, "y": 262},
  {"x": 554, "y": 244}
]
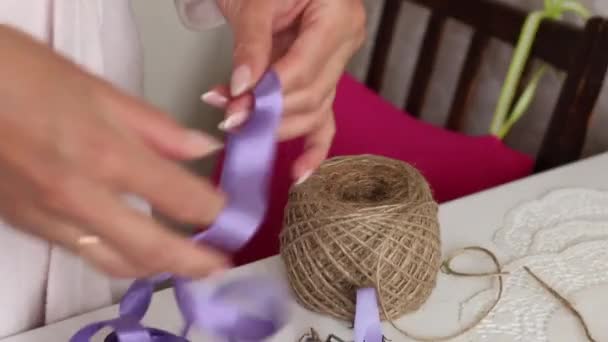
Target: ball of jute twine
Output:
[
  {"x": 362, "y": 221},
  {"x": 369, "y": 221}
]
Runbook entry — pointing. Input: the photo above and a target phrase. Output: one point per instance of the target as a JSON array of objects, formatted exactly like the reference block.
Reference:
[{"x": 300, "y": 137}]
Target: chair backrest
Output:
[{"x": 581, "y": 52}]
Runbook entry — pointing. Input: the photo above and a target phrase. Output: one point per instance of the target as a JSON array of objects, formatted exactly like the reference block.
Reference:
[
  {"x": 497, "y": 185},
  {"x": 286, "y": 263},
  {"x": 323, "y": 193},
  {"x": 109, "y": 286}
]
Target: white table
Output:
[{"x": 469, "y": 221}]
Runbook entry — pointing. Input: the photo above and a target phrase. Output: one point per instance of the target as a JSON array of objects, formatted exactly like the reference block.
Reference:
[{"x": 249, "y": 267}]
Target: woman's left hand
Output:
[{"x": 308, "y": 43}]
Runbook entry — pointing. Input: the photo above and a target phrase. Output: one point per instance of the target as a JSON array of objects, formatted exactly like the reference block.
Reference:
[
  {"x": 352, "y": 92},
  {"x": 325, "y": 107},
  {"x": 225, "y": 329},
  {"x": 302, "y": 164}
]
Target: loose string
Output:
[
  {"x": 564, "y": 302},
  {"x": 447, "y": 268}
]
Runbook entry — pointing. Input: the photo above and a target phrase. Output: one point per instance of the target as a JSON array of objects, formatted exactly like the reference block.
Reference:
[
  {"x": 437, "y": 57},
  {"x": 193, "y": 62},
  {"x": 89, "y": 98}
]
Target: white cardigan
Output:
[{"x": 40, "y": 283}]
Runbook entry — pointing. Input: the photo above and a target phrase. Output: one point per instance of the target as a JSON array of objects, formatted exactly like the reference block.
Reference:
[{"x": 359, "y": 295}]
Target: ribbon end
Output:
[{"x": 367, "y": 317}]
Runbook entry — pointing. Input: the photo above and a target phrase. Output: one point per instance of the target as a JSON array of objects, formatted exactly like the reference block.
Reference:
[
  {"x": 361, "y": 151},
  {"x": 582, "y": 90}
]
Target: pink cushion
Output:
[{"x": 454, "y": 164}]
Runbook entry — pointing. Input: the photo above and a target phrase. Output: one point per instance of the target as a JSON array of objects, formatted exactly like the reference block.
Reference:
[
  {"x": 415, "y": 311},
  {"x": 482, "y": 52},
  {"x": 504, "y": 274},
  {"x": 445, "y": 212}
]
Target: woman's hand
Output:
[
  {"x": 309, "y": 43},
  {"x": 72, "y": 146}
]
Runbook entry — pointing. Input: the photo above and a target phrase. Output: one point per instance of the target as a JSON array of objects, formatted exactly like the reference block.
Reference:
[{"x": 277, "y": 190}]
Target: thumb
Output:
[{"x": 251, "y": 22}]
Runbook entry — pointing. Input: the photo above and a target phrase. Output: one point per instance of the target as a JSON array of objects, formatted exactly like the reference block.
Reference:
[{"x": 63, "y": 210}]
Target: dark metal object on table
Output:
[
  {"x": 334, "y": 338},
  {"x": 157, "y": 336},
  {"x": 580, "y": 52},
  {"x": 313, "y": 336}
]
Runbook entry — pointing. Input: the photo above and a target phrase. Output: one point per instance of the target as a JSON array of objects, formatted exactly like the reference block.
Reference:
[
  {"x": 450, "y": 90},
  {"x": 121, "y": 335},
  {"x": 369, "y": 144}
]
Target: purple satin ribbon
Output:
[
  {"x": 249, "y": 309},
  {"x": 367, "y": 317}
]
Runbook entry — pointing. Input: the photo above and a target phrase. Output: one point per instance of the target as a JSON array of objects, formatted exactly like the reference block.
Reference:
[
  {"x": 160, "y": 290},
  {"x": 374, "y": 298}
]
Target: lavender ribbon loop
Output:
[
  {"x": 249, "y": 309},
  {"x": 367, "y": 317},
  {"x": 247, "y": 166}
]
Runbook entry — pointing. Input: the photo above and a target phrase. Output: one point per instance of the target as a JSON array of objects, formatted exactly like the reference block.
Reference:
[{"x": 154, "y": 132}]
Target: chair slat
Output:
[
  {"x": 425, "y": 64},
  {"x": 580, "y": 53},
  {"x": 456, "y": 118},
  {"x": 381, "y": 51},
  {"x": 555, "y": 43},
  {"x": 565, "y": 138}
]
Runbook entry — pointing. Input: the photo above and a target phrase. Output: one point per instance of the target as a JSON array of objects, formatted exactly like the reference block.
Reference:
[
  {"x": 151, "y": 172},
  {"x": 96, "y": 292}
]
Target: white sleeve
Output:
[{"x": 199, "y": 14}]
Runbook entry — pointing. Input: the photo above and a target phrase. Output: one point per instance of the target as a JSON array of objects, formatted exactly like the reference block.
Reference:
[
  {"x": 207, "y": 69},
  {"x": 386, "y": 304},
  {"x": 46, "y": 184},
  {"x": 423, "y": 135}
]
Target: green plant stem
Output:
[
  {"x": 577, "y": 8},
  {"x": 522, "y": 53},
  {"x": 523, "y": 103},
  {"x": 503, "y": 121}
]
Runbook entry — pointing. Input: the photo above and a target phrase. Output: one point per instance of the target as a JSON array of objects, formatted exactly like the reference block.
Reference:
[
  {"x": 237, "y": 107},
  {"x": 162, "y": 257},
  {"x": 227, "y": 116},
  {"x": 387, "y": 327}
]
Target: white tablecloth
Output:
[{"x": 470, "y": 221}]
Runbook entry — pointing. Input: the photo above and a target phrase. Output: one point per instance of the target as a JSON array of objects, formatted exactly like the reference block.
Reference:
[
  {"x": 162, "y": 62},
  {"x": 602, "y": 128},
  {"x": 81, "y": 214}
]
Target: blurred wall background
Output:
[{"x": 180, "y": 65}]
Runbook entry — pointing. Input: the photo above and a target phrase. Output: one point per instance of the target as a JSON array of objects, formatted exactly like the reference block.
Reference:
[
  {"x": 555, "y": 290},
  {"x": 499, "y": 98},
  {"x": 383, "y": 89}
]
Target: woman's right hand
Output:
[{"x": 72, "y": 146}]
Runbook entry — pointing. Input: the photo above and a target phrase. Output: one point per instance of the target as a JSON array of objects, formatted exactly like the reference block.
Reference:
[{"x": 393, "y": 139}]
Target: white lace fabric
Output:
[
  {"x": 563, "y": 239},
  {"x": 524, "y": 225}
]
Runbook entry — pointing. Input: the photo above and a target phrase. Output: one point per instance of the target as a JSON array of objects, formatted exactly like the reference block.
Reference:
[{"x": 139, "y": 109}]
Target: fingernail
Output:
[
  {"x": 240, "y": 80},
  {"x": 201, "y": 144},
  {"x": 215, "y": 99},
  {"x": 304, "y": 178},
  {"x": 233, "y": 121}
]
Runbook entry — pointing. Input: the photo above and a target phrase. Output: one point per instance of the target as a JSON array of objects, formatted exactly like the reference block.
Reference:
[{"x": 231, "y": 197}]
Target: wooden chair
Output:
[{"x": 581, "y": 52}]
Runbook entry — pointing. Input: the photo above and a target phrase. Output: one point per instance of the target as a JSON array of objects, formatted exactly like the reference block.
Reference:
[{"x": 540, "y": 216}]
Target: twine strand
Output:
[
  {"x": 499, "y": 273},
  {"x": 446, "y": 268},
  {"x": 566, "y": 303}
]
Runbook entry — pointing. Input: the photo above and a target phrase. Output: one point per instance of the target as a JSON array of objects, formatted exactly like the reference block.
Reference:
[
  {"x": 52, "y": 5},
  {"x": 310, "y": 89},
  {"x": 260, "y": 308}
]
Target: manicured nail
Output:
[
  {"x": 201, "y": 144},
  {"x": 215, "y": 99},
  {"x": 241, "y": 79},
  {"x": 304, "y": 177},
  {"x": 233, "y": 121}
]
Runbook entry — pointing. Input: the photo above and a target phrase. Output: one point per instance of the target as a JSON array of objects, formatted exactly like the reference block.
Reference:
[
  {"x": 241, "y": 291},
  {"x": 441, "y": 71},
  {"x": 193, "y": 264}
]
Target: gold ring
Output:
[{"x": 88, "y": 240}]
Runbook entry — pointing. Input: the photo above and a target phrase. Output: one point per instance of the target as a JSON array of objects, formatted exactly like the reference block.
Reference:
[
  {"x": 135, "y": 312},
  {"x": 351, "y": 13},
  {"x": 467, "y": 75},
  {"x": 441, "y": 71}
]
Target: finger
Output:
[
  {"x": 218, "y": 97},
  {"x": 312, "y": 97},
  {"x": 171, "y": 189},
  {"x": 159, "y": 131},
  {"x": 59, "y": 231},
  {"x": 316, "y": 149},
  {"x": 252, "y": 25},
  {"x": 129, "y": 167},
  {"x": 237, "y": 112},
  {"x": 109, "y": 260},
  {"x": 297, "y": 125},
  {"x": 306, "y": 58},
  {"x": 237, "y": 109},
  {"x": 142, "y": 240},
  {"x": 289, "y": 10}
]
